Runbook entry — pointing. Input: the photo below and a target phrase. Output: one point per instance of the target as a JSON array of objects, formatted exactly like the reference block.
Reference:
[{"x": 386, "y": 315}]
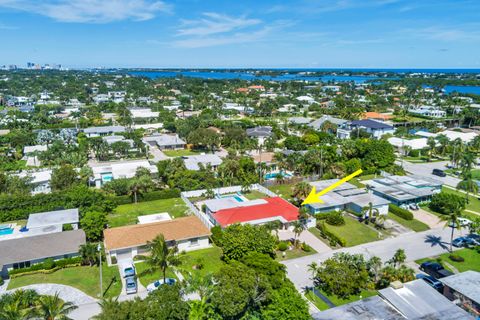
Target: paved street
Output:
[
  {"x": 425, "y": 169},
  {"x": 416, "y": 245}
]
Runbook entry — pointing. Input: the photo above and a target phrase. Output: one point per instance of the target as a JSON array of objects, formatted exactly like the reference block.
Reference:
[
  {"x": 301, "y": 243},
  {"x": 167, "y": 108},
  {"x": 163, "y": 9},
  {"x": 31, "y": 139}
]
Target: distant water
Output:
[
  {"x": 250, "y": 76},
  {"x": 463, "y": 89}
]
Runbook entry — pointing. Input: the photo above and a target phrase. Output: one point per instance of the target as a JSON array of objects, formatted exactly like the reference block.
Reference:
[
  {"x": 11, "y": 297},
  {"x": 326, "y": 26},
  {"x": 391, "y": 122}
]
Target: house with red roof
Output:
[{"x": 237, "y": 209}]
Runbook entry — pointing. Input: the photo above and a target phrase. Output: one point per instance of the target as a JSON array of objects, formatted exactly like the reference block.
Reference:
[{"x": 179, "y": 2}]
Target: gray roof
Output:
[
  {"x": 372, "y": 308},
  {"x": 106, "y": 129},
  {"x": 467, "y": 283},
  {"x": 41, "y": 246},
  {"x": 165, "y": 140},
  {"x": 403, "y": 188},
  {"x": 193, "y": 162},
  {"x": 417, "y": 300},
  {"x": 317, "y": 124},
  {"x": 299, "y": 120},
  {"x": 51, "y": 218},
  {"x": 265, "y": 131}
]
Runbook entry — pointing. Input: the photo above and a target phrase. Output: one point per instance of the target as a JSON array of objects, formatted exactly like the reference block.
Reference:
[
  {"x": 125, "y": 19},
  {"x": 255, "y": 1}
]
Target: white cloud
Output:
[
  {"x": 90, "y": 11},
  {"x": 446, "y": 33},
  {"x": 214, "y": 23}
]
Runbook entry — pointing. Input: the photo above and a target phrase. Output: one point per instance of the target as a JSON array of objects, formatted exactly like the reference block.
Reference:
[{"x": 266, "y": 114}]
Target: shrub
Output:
[
  {"x": 67, "y": 227},
  {"x": 199, "y": 264},
  {"x": 282, "y": 246},
  {"x": 138, "y": 257},
  {"x": 333, "y": 238},
  {"x": 48, "y": 264},
  {"x": 306, "y": 247},
  {"x": 217, "y": 235},
  {"x": 335, "y": 219},
  {"x": 402, "y": 213},
  {"x": 456, "y": 258},
  {"x": 114, "y": 260},
  {"x": 445, "y": 203}
]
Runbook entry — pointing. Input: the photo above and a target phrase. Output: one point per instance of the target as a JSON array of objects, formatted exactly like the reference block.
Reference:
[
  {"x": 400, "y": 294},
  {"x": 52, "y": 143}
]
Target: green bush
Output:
[
  {"x": 217, "y": 235},
  {"x": 139, "y": 257},
  {"x": 456, "y": 258},
  {"x": 402, "y": 213},
  {"x": 67, "y": 227},
  {"x": 154, "y": 195},
  {"x": 114, "y": 259},
  {"x": 282, "y": 246},
  {"x": 335, "y": 219},
  {"x": 306, "y": 247},
  {"x": 445, "y": 203},
  {"x": 333, "y": 238},
  {"x": 48, "y": 265}
]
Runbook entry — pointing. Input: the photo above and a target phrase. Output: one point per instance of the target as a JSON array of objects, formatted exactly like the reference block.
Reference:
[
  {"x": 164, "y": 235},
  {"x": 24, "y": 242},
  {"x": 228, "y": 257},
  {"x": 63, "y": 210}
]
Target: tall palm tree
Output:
[
  {"x": 298, "y": 228},
  {"x": 139, "y": 185},
  {"x": 54, "y": 308},
  {"x": 452, "y": 221},
  {"x": 369, "y": 212},
  {"x": 375, "y": 265},
  {"x": 109, "y": 307},
  {"x": 88, "y": 252},
  {"x": 468, "y": 185},
  {"x": 161, "y": 256},
  {"x": 301, "y": 190},
  {"x": 432, "y": 144},
  {"x": 313, "y": 267}
]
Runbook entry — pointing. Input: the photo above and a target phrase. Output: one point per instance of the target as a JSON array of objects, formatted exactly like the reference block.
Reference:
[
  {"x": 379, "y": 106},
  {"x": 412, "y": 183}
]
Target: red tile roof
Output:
[{"x": 275, "y": 207}]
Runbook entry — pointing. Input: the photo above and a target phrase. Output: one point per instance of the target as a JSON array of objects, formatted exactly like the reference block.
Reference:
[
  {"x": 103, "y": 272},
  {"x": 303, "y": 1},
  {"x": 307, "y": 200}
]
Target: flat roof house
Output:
[
  {"x": 165, "y": 141},
  {"x": 53, "y": 220},
  {"x": 345, "y": 197},
  {"x": 40, "y": 180},
  {"x": 124, "y": 243},
  {"x": 117, "y": 170},
  {"x": 103, "y": 131},
  {"x": 464, "y": 290},
  {"x": 194, "y": 162},
  {"x": 24, "y": 252},
  {"x": 376, "y": 128},
  {"x": 405, "y": 189}
]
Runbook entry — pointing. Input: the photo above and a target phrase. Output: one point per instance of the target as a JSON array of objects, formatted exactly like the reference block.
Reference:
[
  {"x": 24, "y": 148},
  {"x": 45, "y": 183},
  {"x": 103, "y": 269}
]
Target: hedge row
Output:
[
  {"x": 402, "y": 213},
  {"x": 154, "y": 195},
  {"x": 333, "y": 238},
  {"x": 82, "y": 197},
  {"x": 47, "y": 266}
]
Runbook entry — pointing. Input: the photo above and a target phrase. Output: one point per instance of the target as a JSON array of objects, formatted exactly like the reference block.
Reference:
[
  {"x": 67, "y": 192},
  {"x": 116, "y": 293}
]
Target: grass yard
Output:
[
  {"x": 146, "y": 279},
  {"x": 127, "y": 213},
  {"x": 354, "y": 232},
  {"x": 283, "y": 190},
  {"x": 84, "y": 278},
  {"x": 254, "y": 195},
  {"x": 319, "y": 303},
  {"x": 473, "y": 204},
  {"x": 210, "y": 258},
  {"x": 414, "y": 224},
  {"x": 180, "y": 153},
  {"x": 472, "y": 260},
  {"x": 293, "y": 254},
  {"x": 476, "y": 174},
  {"x": 336, "y": 300}
]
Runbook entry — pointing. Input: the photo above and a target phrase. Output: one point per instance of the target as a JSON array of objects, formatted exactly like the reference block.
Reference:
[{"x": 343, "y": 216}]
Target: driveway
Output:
[
  {"x": 425, "y": 169},
  {"x": 428, "y": 218},
  {"x": 66, "y": 293},
  {"x": 122, "y": 264},
  {"x": 416, "y": 245}
]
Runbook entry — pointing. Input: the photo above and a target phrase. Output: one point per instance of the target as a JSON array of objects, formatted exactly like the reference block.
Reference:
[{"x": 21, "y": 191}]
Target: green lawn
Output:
[
  {"x": 127, "y": 213},
  {"x": 254, "y": 195},
  {"x": 210, "y": 258},
  {"x": 293, "y": 254},
  {"x": 146, "y": 279},
  {"x": 336, "y": 300},
  {"x": 472, "y": 260},
  {"x": 354, "y": 232},
  {"x": 476, "y": 174},
  {"x": 319, "y": 303},
  {"x": 180, "y": 153},
  {"x": 414, "y": 224},
  {"x": 283, "y": 190},
  {"x": 84, "y": 278},
  {"x": 473, "y": 204}
]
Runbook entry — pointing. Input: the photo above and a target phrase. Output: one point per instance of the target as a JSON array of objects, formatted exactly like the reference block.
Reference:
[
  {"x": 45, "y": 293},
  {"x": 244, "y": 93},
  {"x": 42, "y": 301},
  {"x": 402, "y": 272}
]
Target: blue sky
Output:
[{"x": 242, "y": 33}]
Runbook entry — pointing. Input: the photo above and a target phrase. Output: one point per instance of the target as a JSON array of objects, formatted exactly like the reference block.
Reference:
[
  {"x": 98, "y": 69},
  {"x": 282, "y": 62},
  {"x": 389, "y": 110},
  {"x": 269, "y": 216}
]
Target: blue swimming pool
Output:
[
  {"x": 6, "y": 231},
  {"x": 107, "y": 177},
  {"x": 236, "y": 197},
  {"x": 273, "y": 175}
]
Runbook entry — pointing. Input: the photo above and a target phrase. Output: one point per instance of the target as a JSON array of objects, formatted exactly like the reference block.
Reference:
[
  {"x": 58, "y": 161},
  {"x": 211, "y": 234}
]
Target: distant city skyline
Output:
[{"x": 242, "y": 34}]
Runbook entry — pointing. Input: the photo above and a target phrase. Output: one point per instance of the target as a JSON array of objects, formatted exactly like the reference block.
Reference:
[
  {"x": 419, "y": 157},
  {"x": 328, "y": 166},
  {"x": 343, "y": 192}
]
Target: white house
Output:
[
  {"x": 194, "y": 162},
  {"x": 376, "y": 128},
  {"x": 118, "y": 170},
  {"x": 429, "y": 111}
]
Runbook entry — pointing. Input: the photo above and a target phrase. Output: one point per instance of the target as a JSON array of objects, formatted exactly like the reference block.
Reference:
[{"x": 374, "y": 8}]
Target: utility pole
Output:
[{"x": 99, "y": 248}]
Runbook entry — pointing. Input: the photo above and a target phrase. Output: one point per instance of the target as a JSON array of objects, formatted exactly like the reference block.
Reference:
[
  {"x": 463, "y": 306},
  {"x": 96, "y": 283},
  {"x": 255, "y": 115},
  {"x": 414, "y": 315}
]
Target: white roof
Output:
[
  {"x": 37, "y": 177},
  {"x": 156, "y": 217},
  {"x": 192, "y": 162},
  {"x": 414, "y": 144},
  {"x": 165, "y": 140},
  {"x": 39, "y": 148},
  {"x": 305, "y": 98},
  {"x": 143, "y": 113},
  {"x": 124, "y": 169},
  {"x": 52, "y": 218}
]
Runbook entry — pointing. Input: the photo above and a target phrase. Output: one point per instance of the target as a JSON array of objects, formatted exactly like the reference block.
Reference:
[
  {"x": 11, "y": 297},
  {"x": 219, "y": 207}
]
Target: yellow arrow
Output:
[{"x": 314, "y": 197}]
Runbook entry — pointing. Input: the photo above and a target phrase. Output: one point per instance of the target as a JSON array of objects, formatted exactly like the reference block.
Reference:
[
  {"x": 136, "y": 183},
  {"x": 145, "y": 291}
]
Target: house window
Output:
[{"x": 194, "y": 242}]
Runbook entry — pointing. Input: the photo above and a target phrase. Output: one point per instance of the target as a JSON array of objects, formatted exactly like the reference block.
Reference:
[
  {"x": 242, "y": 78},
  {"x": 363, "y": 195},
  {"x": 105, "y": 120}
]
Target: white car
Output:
[
  {"x": 464, "y": 222},
  {"x": 155, "y": 285}
]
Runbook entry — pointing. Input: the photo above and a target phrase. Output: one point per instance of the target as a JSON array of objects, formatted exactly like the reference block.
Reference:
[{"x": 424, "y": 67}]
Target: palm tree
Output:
[
  {"x": 139, "y": 185},
  {"x": 54, "y": 308},
  {"x": 301, "y": 190},
  {"x": 109, "y": 307},
  {"x": 452, "y": 221},
  {"x": 15, "y": 311},
  {"x": 161, "y": 256},
  {"x": 432, "y": 144},
  {"x": 88, "y": 252},
  {"x": 298, "y": 228},
  {"x": 370, "y": 213},
  {"x": 443, "y": 141},
  {"x": 313, "y": 267},
  {"x": 398, "y": 258},
  {"x": 375, "y": 265},
  {"x": 468, "y": 185}
]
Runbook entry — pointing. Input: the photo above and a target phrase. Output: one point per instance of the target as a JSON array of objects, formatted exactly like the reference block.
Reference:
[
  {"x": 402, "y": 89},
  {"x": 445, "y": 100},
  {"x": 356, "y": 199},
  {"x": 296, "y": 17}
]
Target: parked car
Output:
[
  {"x": 131, "y": 285},
  {"x": 434, "y": 283},
  {"x": 155, "y": 285},
  {"x": 129, "y": 271},
  {"x": 439, "y": 173},
  {"x": 413, "y": 206},
  {"x": 464, "y": 222},
  {"x": 475, "y": 238},
  {"x": 435, "y": 270},
  {"x": 461, "y": 242}
]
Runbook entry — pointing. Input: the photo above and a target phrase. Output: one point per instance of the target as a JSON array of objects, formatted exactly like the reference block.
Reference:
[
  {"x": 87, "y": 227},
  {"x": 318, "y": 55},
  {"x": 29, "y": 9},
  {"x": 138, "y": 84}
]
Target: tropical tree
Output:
[
  {"x": 374, "y": 265},
  {"x": 109, "y": 307},
  {"x": 370, "y": 213},
  {"x": 301, "y": 190},
  {"x": 468, "y": 185},
  {"x": 139, "y": 185},
  {"x": 398, "y": 258},
  {"x": 313, "y": 267},
  {"x": 432, "y": 145},
  {"x": 161, "y": 256},
  {"x": 452, "y": 221},
  {"x": 89, "y": 254},
  {"x": 54, "y": 308},
  {"x": 298, "y": 228}
]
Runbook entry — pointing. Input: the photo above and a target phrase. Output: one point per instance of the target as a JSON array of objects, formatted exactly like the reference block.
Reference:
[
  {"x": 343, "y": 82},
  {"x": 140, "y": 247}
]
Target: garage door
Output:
[{"x": 124, "y": 255}]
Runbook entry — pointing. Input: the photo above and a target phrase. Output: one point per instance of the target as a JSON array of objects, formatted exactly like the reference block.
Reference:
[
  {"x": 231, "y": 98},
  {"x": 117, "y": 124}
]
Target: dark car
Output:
[
  {"x": 461, "y": 242},
  {"x": 435, "y": 270},
  {"x": 439, "y": 173},
  {"x": 434, "y": 283}
]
